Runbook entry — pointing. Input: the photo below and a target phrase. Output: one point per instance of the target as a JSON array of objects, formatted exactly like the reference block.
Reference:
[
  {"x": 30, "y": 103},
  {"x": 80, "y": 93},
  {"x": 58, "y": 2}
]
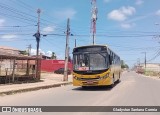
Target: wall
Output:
[
  {"x": 151, "y": 66},
  {"x": 52, "y": 65}
]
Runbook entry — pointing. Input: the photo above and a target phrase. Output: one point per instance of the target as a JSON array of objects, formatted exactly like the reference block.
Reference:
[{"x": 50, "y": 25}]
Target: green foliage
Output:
[
  {"x": 53, "y": 56},
  {"x": 123, "y": 65},
  {"x": 23, "y": 52}
]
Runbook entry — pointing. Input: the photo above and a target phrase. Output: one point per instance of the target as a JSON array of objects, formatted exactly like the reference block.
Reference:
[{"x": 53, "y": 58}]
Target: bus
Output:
[{"x": 95, "y": 65}]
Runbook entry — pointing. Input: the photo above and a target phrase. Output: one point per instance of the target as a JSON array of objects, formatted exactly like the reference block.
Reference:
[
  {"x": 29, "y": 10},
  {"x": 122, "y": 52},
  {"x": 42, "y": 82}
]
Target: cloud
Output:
[
  {"x": 131, "y": 23},
  {"x": 139, "y": 2},
  {"x": 48, "y": 29},
  {"x": 128, "y": 10},
  {"x": 158, "y": 13},
  {"x": 140, "y": 18},
  {"x": 9, "y": 37},
  {"x": 2, "y": 22},
  {"x": 122, "y": 13},
  {"x": 41, "y": 52},
  {"x": 106, "y": 1},
  {"x": 65, "y": 13},
  {"x": 34, "y": 52},
  {"x": 127, "y": 25},
  {"x": 117, "y": 16},
  {"x": 49, "y": 53}
]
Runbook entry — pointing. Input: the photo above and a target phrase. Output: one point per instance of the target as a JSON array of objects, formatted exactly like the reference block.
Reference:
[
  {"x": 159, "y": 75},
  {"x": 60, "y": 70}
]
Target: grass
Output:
[{"x": 152, "y": 73}]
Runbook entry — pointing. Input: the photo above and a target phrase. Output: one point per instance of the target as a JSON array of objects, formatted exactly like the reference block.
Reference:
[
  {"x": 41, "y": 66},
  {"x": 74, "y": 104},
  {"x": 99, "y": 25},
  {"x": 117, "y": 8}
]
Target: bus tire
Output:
[
  {"x": 113, "y": 80},
  {"x": 118, "y": 81},
  {"x": 119, "y": 78}
]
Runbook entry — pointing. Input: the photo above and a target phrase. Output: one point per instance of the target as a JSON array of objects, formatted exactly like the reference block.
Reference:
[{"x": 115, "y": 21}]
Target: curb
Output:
[{"x": 33, "y": 88}]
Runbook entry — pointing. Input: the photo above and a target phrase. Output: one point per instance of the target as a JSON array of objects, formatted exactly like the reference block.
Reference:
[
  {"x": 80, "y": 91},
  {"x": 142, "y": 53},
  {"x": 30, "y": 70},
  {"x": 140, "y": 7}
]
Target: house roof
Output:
[
  {"x": 8, "y": 48},
  {"x": 17, "y": 57},
  {"x": 13, "y": 53}
]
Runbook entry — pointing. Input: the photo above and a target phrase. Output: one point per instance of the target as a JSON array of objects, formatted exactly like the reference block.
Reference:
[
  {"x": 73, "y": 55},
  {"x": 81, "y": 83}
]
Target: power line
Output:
[
  {"x": 153, "y": 58},
  {"x": 52, "y": 43},
  {"x": 19, "y": 18},
  {"x": 30, "y": 8},
  {"x": 86, "y": 35},
  {"x": 116, "y": 35},
  {"x": 17, "y": 12},
  {"x": 19, "y": 34},
  {"x": 22, "y": 15},
  {"x": 27, "y": 6},
  {"x": 53, "y": 34},
  {"x": 17, "y": 26},
  {"x": 136, "y": 48}
]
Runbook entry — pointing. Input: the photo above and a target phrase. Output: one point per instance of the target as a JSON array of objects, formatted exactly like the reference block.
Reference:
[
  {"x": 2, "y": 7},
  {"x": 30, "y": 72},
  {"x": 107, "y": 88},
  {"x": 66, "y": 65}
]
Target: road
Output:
[{"x": 133, "y": 90}]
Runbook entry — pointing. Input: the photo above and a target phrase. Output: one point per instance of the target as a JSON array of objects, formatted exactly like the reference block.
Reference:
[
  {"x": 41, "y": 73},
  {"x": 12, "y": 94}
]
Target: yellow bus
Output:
[{"x": 95, "y": 65}]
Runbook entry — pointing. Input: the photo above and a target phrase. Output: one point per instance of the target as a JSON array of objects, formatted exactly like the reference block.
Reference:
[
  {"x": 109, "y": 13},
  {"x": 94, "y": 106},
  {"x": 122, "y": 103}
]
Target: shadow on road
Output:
[{"x": 95, "y": 88}]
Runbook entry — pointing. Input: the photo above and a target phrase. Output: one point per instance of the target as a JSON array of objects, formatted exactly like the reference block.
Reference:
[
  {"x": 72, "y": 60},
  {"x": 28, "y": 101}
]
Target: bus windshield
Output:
[{"x": 90, "y": 61}]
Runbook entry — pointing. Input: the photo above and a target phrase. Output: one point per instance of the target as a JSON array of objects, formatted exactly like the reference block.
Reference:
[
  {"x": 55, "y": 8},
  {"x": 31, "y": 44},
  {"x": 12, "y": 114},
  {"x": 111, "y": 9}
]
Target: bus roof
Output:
[
  {"x": 89, "y": 46},
  {"x": 95, "y": 45}
]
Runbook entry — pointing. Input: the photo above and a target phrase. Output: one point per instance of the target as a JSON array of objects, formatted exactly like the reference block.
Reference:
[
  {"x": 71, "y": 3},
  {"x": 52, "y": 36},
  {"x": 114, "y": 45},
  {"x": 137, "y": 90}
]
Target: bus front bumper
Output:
[{"x": 102, "y": 82}]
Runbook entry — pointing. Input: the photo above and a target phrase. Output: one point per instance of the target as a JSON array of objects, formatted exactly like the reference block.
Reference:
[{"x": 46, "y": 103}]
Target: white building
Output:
[{"x": 151, "y": 66}]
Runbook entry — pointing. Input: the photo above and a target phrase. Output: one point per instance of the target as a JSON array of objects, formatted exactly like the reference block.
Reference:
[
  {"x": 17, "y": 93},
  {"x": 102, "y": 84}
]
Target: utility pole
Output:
[
  {"x": 29, "y": 53},
  {"x": 29, "y": 49},
  {"x": 65, "y": 78},
  {"x": 93, "y": 19},
  {"x": 145, "y": 60},
  {"x": 75, "y": 43},
  {"x": 38, "y": 35}
]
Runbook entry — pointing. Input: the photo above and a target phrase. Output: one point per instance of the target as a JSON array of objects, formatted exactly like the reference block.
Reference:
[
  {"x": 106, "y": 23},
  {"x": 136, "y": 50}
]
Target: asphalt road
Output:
[{"x": 133, "y": 90}]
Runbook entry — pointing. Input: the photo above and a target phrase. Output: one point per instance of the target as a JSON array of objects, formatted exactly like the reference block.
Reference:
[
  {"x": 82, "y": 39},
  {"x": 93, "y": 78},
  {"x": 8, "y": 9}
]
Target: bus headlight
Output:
[
  {"x": 104, "y": 77},
  {"x": 76, "y": 77}
]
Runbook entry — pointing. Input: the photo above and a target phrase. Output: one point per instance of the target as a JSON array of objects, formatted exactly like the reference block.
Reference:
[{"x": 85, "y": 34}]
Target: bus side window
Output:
[{"x": 110, "y": 59}]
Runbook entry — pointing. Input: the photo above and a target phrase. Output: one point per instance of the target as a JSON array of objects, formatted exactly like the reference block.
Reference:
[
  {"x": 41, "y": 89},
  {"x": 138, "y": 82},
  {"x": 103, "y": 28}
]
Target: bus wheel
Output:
[
  {"x": 119, "y": 78},
  {"x": 113, "y": 80}
]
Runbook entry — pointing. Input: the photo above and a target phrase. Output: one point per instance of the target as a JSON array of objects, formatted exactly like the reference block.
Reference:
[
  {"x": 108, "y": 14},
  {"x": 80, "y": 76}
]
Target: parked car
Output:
[
  {"x": 61, "y": 71},
  {"x": 140, "y": 71}
]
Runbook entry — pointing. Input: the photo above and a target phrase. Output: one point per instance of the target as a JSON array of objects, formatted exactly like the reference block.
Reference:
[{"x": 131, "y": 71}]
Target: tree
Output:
[
  {"x": 53, "y": 56},
  {"x": 123, "y": 65},
  {"x": 23, "y": 52}
]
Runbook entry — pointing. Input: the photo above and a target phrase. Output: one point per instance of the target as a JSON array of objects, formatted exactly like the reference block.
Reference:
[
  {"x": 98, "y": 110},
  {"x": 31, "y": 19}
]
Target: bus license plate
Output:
[{"x": 90, "y": 82}]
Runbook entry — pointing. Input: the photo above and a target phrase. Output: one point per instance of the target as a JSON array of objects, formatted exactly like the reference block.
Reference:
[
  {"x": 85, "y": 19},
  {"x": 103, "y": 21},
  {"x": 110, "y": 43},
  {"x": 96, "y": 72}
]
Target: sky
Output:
[{"x": 128, "y": 27}]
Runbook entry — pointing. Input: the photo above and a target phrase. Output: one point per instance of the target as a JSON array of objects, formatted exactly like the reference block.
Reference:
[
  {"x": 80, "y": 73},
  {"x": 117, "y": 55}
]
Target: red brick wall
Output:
[{"x": 52, "y": 65}]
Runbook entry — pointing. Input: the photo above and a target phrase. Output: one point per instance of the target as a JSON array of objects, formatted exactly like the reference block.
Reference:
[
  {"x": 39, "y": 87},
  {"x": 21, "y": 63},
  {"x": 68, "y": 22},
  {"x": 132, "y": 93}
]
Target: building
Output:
[
  {"x": 15, "y": 66},
  {"x": 151, "y": 66},
  {"x": 52, "y": 65},
  {"x": 9, "y": 51}
]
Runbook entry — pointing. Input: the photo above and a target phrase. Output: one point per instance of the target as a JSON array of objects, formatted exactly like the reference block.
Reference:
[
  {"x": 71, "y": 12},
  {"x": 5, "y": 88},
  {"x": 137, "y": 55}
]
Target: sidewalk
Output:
[{"x": 49, "y": 80}]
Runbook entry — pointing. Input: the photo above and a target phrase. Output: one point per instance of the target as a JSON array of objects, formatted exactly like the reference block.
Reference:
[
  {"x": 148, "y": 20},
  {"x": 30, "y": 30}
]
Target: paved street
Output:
[{"x": 133, "y": 90}]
